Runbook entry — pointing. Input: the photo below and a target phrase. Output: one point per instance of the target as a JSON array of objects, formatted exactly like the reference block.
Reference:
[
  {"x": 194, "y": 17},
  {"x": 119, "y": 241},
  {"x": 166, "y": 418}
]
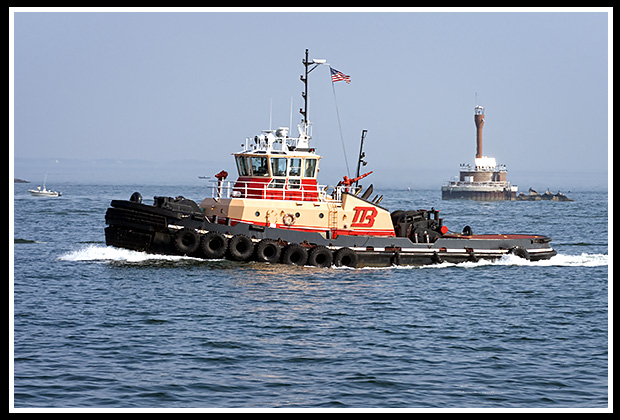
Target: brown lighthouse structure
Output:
[
  {"x": 485, "y": 181},
  {"x": 479, "y": 120}
]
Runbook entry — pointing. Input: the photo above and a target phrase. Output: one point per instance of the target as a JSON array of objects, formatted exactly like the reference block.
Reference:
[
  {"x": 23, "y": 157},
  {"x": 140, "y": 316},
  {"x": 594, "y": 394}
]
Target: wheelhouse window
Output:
[
  {"x": 294, "y": 184},
  {"x": 278, "y": 166},
  {"x": 242, "y": 166},
  {"x": 259, "y": 166},
  {"x": 277, "y": 183},
  {"x": 310, "y": 168},
  {"x": 294, "y": 167}
]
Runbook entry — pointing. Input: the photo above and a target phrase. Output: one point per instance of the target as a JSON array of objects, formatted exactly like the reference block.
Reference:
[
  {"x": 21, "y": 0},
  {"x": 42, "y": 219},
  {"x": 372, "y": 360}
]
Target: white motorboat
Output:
[{"x": 44, "y": 192}]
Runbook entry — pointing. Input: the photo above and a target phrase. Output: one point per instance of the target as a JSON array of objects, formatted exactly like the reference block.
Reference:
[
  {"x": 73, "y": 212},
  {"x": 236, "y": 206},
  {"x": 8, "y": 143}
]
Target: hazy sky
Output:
[{"x": 173, "y": 86}]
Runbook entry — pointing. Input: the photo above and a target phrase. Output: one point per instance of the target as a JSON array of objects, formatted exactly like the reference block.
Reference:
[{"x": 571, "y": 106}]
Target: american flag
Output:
[{"x": 337, "y": 76}]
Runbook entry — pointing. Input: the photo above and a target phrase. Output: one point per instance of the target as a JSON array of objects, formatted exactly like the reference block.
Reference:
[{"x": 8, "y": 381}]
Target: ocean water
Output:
[{"x": 98, "y": 327}]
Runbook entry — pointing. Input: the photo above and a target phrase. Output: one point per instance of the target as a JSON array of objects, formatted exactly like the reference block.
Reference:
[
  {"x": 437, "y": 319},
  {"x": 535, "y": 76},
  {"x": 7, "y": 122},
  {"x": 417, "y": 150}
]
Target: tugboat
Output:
[{"x": 276, "y": 212}]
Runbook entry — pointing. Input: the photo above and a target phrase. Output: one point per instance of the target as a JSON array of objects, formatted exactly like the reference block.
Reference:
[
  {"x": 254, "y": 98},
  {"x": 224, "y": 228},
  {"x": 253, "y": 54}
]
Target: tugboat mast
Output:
[
  {"x": 304, "y": 94},
  {"x": 361, "y": 156},
  {"x": 304, "y": 78}
]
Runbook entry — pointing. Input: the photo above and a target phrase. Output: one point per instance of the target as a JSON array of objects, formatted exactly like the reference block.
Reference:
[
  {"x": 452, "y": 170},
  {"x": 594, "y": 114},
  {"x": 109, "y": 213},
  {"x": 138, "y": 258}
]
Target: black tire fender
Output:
[
  {"x": 268, "y": 251},
  {"x": 436, "y": 259},
  {"x": 320, "y": 256},
  {"x": 186, "y": 241},
  {"x": 214, "y": 245},
  {"x": 240, "y": 248},
  {"x": 520, "y": 252},
  {"x": 294, "y": 254},
  {"x": 346, "y": 257}
]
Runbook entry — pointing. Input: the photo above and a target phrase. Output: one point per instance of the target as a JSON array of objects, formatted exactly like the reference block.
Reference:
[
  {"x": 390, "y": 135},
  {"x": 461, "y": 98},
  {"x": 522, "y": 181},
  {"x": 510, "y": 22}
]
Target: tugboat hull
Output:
[{"x": 178, "y": 227}]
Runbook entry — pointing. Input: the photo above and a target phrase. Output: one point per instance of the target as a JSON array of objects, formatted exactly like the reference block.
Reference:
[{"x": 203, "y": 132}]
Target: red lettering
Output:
[{"x": 364, "y": 216}]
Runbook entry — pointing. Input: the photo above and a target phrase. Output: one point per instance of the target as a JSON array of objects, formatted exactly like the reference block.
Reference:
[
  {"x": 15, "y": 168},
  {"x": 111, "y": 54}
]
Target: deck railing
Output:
[{"x": 275, "y": 191}]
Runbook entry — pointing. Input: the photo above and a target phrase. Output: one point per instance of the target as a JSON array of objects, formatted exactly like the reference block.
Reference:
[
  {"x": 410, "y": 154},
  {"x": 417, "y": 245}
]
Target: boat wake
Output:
[
  {"x": 107, "y": 253},
  {"x": 559, "y": 260},
  {"x": 99, "y": 253}
]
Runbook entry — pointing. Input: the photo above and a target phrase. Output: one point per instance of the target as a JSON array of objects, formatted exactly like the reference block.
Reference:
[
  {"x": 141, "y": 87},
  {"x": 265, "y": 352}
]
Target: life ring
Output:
[
  {"x": 320, "y": 256},
  {"x": 268, "y": 251},
  {"x": 295, "y": 254},
  {"x": 288, "y": 219},
  {"x": 214, "y": 245},
  {"x": 240, "y": 248},
  {"x": 346, "y": 257},
  {"x": 186, "y": 241}
]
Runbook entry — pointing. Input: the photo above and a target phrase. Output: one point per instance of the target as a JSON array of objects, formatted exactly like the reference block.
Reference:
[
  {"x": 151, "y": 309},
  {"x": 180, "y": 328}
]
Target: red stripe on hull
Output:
[
  {"x": 335, "y": 232},
  {"x": 495, "y": 236}
]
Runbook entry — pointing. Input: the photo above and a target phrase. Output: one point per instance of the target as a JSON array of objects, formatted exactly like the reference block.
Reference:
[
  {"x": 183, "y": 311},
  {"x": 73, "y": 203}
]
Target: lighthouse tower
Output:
[
  {"x": 479, "y": 120},
  {"x": 482, "y": 162}
]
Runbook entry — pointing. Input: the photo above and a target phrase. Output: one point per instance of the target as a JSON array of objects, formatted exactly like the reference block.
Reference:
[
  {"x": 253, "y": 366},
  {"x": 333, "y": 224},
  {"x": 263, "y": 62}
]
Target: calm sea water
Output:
[{"x": 102, "y": 327}]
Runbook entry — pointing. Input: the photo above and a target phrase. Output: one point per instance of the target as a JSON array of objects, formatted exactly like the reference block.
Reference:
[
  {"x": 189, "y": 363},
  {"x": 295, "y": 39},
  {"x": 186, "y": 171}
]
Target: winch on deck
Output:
[{"x": 420, "y": 226}]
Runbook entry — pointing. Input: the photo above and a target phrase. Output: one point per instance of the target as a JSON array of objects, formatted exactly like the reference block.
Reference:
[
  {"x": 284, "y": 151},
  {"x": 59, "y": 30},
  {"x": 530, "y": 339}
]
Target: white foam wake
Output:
[
  {"x": 108, "y": 253},
  {"x": 560, "y": 260}
]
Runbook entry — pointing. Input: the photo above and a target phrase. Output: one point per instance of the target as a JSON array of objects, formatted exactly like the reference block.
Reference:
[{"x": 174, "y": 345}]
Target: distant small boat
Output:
[{"x": 44, "y": 192}]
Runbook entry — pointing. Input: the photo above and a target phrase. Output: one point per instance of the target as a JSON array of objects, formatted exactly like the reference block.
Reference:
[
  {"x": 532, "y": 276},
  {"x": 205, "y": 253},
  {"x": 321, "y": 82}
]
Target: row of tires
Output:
[{"x": 215, "y": 245}]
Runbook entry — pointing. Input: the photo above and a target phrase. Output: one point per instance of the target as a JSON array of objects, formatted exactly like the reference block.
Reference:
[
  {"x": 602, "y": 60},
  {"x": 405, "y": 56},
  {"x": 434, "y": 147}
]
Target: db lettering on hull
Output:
[{"x": 364, "y": 217}]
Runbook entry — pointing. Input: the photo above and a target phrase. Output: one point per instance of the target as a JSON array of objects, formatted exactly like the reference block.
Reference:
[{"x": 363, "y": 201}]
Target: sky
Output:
[{"x": 142, "y": 96}]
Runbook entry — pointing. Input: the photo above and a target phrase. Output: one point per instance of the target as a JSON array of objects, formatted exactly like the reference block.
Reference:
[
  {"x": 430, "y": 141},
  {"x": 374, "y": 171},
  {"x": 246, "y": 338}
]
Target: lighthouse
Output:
[
  {"x": 485, "y": 180},
  {"x": 479, "y": 121},
  {"x": 483, "y": 163}
]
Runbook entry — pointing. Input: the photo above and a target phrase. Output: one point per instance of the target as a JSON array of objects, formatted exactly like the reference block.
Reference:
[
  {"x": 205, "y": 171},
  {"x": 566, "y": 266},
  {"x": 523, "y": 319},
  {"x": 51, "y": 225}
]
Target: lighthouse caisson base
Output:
[{"x": 474, "y": 194}]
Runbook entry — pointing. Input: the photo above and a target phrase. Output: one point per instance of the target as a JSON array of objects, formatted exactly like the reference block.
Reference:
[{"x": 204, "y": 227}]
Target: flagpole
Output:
[{"x": 344, "y": 151}]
